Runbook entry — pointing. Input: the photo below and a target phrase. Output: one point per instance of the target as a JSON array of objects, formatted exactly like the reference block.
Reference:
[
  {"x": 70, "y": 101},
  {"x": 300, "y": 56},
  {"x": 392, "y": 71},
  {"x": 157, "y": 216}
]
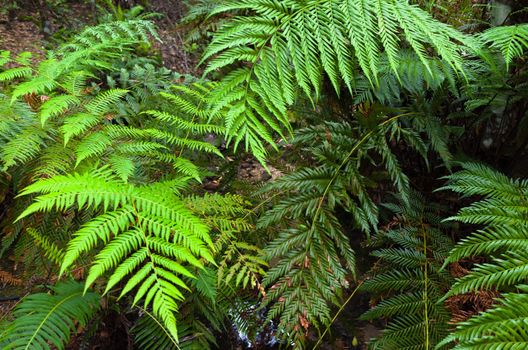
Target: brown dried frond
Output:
[
  {"x": 34, "y": 101},
  {"x": 8, "y": 278},
  {"x": 464, "y": 306}
]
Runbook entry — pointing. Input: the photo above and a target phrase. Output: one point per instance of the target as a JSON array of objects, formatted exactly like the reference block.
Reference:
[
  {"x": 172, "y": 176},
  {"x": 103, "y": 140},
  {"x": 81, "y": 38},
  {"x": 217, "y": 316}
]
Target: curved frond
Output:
[{"x": 46, "y": 321}]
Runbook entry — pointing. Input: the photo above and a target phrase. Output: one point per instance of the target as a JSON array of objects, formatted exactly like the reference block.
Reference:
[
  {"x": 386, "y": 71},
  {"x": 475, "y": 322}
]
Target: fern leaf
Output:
[
  {"x": 511, "y": 41},
  {"x": 149, "y": 237},
  {"x": 44, "y": 320},
  {"x": 56, "y": 105}
]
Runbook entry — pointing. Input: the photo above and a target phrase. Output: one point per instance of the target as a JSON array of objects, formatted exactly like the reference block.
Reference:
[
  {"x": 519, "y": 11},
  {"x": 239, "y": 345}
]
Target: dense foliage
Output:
[{"x": 120, "y": 178}]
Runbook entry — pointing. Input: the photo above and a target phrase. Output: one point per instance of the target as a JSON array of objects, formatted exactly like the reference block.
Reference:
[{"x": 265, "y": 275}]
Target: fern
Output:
[
  {"x": 132, "y": 30},
  {"x": 150, "y": 333},
  {"x": 313, "y": 234},
  {"x": 45, "y": 321},
  {"x": 149, "y": 238},
  {"x": 417, "y": 320},
  {"x": 50, "y": 249},
  {"x": 239, "y": 261},
  {"x": 16, "y": 73},
  {"x": 511, "y": 41},
  {"x": 502, "y": 211},
  {"x": 286, "y": 47}
]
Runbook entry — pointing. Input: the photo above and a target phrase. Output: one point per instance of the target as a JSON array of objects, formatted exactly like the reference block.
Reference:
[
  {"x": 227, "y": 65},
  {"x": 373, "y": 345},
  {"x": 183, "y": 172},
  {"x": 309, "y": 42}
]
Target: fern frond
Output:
[
  {"x": 149, "y": 333},
  {"x": 503, "y": 212},
  {"x": 24, "y": 147},
  {"x": 16, "y": 73},
  {"x": 57, "y": 105},
  {"x": 504, "y": 326},
  {"x": 287, "y": 47},
  {"x": 50, "y": 249},
  {"x": 408, "y": 280},
  {"x": 43, "y": 320},
  {"x": 132, "y": 30},
  {"x": 507, "y": 270},
  {"x": 149, "y": 237},
  {"x": 511, "y": 41},
  {"x": 103, "y": 101},
  {"x": 489, "y": 241}
]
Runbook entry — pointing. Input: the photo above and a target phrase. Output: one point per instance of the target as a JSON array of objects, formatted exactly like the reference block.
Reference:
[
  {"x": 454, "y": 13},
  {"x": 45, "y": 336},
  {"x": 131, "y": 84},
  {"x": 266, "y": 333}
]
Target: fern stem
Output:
[
  {"x": 337, "y": 314},
  {"x": 425, "y": 294},
  {"x": 345, "y": 160}
]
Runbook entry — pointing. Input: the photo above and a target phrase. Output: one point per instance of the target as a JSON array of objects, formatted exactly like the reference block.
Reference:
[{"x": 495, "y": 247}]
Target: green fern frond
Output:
[
  {"x": 45, "y": 321},
  {"x": 511, "y": 41},
  {"x": 407, "y": 280},
  {"x": 16, "y": 73},
  {"x": 501, "y": 327},
  {"x": 57, "y": 105},
  {"x": 149, "y": 333},
  {"x": 24, "y": 147},
  {"x": 130, "y": 31},
  {"x": 509, "y": 269},
  {"x": 103, "y": 101},
  {"x": 287, "y": 47},
  {"x": 51, "y": 251},
  {"x": 5, "y": 57},
  {"x": 489, "y": 241},
  {"x": 78, "y": 123},
  {"x": 183, "y": 124},
  {"x": 502, "y": 210},
  {"x": 150, "y": 237},
  {"x": 398, "y": 305}
]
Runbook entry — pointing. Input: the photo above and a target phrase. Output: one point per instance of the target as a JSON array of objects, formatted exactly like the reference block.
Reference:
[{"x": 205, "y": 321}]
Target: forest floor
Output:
[
  {"x": 19, "y": 36},
  {"x": 23, "y": 34}
]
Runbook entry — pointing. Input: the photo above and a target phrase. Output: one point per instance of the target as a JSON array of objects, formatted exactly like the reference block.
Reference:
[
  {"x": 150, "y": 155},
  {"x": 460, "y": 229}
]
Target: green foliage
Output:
[
  {"x": 416, "y": 250},
  {"x": 511, "y": 41},
  {"x": 92, "y": 128},
  {"x": 45, "y": 320},
  {"x": 59, "y": 102},
  {"x": 103, "y": 160},
  {"x": 239, "y": 261},
  {"x": 311, "y": 240},
  {"x": 289, "y": 46},
  {"x": 149, "y": 333},
  {"x": 199, "y": 20},
  {"x": 150, "y": 238},
  {"x": 502, "y": 212},
  {"x": 73, "y": 125}
]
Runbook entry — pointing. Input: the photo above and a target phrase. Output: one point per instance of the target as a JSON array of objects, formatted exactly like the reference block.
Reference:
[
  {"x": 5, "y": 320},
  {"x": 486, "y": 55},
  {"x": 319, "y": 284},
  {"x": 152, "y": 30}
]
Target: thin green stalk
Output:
[
  {"x": 425, "y": 295},
  {"x": 337, "y": 314},
  {"x": 345, "y": 160}
]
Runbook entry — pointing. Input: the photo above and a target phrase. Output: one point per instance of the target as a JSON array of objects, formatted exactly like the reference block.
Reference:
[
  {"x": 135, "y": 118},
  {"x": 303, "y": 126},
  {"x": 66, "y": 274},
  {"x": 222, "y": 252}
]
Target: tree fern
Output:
[
  {"x": 417, "y": 250},
  {"x": 150, "y": 238},
  {"x": 287, "y": 46},
  {"x": 502, "y": 212},
  {"x": 46, "y": 321}
]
